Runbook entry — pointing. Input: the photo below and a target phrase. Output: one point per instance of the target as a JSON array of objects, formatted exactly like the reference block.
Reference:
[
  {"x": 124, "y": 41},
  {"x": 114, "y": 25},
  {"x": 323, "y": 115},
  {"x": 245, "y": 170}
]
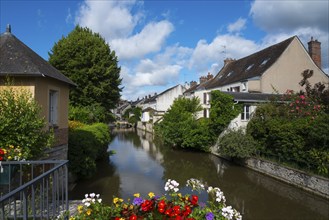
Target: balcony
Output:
[{"x": 33, "y": 189}]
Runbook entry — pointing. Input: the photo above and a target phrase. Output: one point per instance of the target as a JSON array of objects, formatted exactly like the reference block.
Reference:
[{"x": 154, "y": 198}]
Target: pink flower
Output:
[{"x": 302, "y": 97}]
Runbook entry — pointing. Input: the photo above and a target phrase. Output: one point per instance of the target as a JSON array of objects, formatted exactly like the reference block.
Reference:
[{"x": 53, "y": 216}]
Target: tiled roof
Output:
[
  {"x": 248, "y": 67},
  {"x": 253, "y": 97},
  {"x": 17, "y": 59}
]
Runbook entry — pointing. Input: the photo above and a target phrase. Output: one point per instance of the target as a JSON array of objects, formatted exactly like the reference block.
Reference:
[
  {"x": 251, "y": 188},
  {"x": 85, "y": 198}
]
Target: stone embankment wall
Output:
[
  {"x": 315, "y": 184},
  {"x": 145, "y": 126}
]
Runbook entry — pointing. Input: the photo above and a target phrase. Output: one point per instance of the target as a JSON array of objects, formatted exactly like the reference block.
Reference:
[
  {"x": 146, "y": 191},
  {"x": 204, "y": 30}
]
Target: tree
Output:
[
  {"x": 222, "y": 111},
  {"x": 180, "y": 128},
  {"x": 21, "y": 124},
  {"x": 87, "y": 59}
]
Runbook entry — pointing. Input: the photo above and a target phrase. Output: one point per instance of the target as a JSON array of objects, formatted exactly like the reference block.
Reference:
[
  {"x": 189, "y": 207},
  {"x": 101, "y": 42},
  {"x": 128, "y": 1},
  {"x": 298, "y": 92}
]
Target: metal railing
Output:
[{"x": 33, "y": 189}]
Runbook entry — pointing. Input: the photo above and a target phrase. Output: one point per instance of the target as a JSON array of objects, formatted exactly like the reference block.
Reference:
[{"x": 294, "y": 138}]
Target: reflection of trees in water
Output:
[
  {"x": 106, "y": 182},
  {"x": 128, "y": 135}
]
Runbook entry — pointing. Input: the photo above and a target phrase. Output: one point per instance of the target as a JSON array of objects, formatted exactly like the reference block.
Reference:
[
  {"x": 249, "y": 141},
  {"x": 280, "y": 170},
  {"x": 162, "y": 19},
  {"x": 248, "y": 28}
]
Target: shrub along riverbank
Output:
[{"x": 87, "y": 144}]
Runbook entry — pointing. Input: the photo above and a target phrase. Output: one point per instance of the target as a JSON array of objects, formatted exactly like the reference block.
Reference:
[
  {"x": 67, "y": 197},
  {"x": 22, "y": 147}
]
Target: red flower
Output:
[
  {"x": 187, "y": 210},
  {"x": 147, "y": 205},
  {"x": 194, "y": 200},
  {"x": 176, "y": 209},
  {"x": 133, "y": 217},
  {"x": 161, "y": 206}
]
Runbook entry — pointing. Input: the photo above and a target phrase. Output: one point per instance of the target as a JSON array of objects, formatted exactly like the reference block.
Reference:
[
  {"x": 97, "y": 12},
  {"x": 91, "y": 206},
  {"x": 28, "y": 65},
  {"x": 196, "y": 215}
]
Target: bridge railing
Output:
[{"x": 33, "y": 189}]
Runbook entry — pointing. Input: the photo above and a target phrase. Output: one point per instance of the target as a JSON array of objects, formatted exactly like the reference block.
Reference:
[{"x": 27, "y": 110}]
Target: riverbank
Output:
[{"x": 312, "y": 183}]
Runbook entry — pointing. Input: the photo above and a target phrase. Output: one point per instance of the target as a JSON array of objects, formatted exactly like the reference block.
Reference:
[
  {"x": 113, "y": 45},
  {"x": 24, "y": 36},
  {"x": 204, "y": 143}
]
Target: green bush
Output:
[
  {"x": 236, "y": 144},
  {"x": 21, "y": 124},
  {"x": 180, "y": 128},
  {"x": 86, "y": 145},
  {"x": 90, "y": 114}
]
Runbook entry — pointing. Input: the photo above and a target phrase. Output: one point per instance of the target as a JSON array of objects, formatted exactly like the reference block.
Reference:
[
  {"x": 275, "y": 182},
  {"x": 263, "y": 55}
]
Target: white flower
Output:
[
  {"x": 99, "y": 200},
  {"x": 92, "y": 195},
  {"x": 97, "y": 196},
  {"x": 87, "y": 204},
  {"x": 86, "y": 196}
]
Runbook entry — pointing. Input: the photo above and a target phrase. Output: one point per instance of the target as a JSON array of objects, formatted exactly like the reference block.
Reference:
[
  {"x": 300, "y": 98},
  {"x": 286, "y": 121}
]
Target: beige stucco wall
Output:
[
  {"x": 18, "y": 84},
  {"x": 285, "y": 73},
  {"x": 43, "y": 86}
]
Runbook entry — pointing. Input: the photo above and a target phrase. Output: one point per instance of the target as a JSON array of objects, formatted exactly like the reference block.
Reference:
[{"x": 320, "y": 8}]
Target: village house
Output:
[
  {"x": 47, "y": 85},
  {"x": 272, "y": 70},
  {"x": 154, "y": 107}
]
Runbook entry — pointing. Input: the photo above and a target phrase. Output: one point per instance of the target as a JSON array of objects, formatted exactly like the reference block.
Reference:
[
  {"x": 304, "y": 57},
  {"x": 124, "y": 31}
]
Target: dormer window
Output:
[
  {"x": 230, "y": 73},
  {"x": 249, "y": 67},
  {"x": 265, "y": 61}
]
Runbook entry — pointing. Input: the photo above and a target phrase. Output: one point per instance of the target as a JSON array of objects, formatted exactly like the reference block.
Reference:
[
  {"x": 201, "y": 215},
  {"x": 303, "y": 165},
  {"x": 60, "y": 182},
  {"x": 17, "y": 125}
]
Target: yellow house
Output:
[{"x": 48, "y": 86}]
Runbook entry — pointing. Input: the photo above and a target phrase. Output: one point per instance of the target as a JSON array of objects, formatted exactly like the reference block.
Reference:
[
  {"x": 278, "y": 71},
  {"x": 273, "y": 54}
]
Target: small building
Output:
[{"x": 47, "y": 85}]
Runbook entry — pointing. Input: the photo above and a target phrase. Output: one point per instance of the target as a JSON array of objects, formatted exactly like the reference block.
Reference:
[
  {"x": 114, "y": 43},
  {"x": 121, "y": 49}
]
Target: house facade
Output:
[
  {"x": 47, "y": 85},
  {"x": 275, "y": 69}
]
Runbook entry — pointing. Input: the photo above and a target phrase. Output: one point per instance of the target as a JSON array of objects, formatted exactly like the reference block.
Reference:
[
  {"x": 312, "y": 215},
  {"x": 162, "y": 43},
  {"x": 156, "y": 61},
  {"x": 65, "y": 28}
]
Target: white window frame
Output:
[
  {"x": 53, "y": 107},
  {"x": 245, "y": 115}
]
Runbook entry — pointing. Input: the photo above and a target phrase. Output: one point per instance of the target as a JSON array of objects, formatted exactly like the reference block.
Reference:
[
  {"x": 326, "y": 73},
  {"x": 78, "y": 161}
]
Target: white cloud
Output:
[
  {"x": 113, "y": 19},
  {"x": 68, "y": 18},
  {"x": 223, "y": 46},
  {"x": 273, "y": 16},
  {"x": 149, "y": 40},
  {"x": 237, "y": 26}
]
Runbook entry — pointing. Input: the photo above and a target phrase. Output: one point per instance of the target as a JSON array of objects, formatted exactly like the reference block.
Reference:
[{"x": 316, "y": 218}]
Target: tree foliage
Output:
[
  {"x": 21, "y": 124},
  {"x": 180, "y": 128},
  {"x": 87, "y": 60},
  {"x": 222, "y": 111}
]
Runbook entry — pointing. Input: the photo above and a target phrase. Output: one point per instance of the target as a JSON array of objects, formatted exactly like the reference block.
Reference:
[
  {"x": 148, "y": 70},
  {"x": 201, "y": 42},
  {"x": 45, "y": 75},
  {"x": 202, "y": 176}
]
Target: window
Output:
[
  {"x": 265, "y": 61},
  {"x": 249, "y": 67},
  {"x": 230, "y": 73},
  {"x": 53, "y": 104},
  {"x": 245, "y": 115},
  {"x": 205, "y": 96},
  {"x": 206, "y": 113}
]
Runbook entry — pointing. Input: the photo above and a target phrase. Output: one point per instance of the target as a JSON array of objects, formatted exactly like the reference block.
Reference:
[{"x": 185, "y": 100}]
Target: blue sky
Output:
[{"x": 162, "y": 43}]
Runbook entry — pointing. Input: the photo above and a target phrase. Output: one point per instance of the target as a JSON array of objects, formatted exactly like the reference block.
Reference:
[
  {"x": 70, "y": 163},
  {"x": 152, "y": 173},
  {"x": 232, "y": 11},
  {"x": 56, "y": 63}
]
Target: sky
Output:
[{"x": 162, "y": 43}]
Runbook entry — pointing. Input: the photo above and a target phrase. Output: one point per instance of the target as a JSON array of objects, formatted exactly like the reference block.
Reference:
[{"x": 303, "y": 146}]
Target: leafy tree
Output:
[
  {"x": 21, "y": 124},
  {"x": 136, "y": 114},
  {"x": 87, "y": 59},
  {"x": 180, "y": 128},
  {"x": 222, "y": 111}
]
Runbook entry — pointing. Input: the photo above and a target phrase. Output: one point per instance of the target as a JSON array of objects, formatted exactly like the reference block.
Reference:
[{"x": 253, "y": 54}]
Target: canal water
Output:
[{"x": 141, "y": 166}]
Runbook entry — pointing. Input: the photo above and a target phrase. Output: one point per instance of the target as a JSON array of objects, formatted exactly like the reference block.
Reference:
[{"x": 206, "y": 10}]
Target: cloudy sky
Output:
[{"x": 160, "y": 44}]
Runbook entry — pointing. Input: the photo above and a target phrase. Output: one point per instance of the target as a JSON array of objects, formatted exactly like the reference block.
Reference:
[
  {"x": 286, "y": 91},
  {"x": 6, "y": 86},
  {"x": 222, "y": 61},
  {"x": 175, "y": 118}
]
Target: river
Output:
[{"x": 141, "y": 166}]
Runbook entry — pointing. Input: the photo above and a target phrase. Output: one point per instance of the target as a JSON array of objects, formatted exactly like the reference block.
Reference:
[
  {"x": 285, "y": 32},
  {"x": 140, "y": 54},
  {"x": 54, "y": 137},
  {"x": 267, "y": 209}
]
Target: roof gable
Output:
[
  {"x": 251, "y": 66},
  {"x": 17, "y": 59}
]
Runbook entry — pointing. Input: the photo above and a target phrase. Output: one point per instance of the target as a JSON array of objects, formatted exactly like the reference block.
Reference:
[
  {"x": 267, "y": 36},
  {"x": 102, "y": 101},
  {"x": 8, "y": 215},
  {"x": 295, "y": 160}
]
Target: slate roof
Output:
[
  {"x": 253, "y": 97},
  {"x": 251, "y": 66},
  {"x": 17, "y": 59}
]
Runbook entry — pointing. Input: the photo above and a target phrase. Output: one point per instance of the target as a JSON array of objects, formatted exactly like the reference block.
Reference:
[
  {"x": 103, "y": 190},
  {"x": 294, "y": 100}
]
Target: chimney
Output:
[
  {"x": 227, "y": 61},
  {"x": 193, "y": 83},
  {"x": 8, "y": 28},
  {"x": 203, "y": 79},
  {"x": 314, "y": 50},
  {"x": 209, "y": 76}
]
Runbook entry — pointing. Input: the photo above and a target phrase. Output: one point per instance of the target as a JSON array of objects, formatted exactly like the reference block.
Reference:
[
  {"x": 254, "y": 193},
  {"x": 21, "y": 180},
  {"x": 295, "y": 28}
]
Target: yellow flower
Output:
[
  {"x": 88, "y": 212},
  {"x": 120, "y": 200},
  {"x": 131, "y": 207},
  {"x": 72, "y": 218},
  {"x": 125, "y": 206},
  {"x": 4, "y": 151},
  {"x": 179, "y": 195},
  {"x": 80, "y": 207},
  {"x": 151, "y": 195},
  {"x": 9, "y": 157},
  {"x": 115, "y": 200},
  {"x": 11, "y": 146},
  {"x": 137, "y": 195},
  {"x": 20, "y": 154}
]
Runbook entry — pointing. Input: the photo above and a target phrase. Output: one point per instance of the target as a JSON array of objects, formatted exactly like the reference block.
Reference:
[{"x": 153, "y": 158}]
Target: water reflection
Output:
[{"x": 140, "y": 165}]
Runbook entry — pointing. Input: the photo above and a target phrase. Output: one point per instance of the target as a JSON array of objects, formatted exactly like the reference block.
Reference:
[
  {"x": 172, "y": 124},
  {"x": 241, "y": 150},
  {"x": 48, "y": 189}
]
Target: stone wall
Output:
[
  {"x": 315, "y": 184},
  {"x": 145, "y": 126}
]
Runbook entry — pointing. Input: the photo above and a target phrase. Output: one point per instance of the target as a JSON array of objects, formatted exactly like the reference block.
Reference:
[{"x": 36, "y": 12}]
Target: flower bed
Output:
[{"x": 172, "y": 205}]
